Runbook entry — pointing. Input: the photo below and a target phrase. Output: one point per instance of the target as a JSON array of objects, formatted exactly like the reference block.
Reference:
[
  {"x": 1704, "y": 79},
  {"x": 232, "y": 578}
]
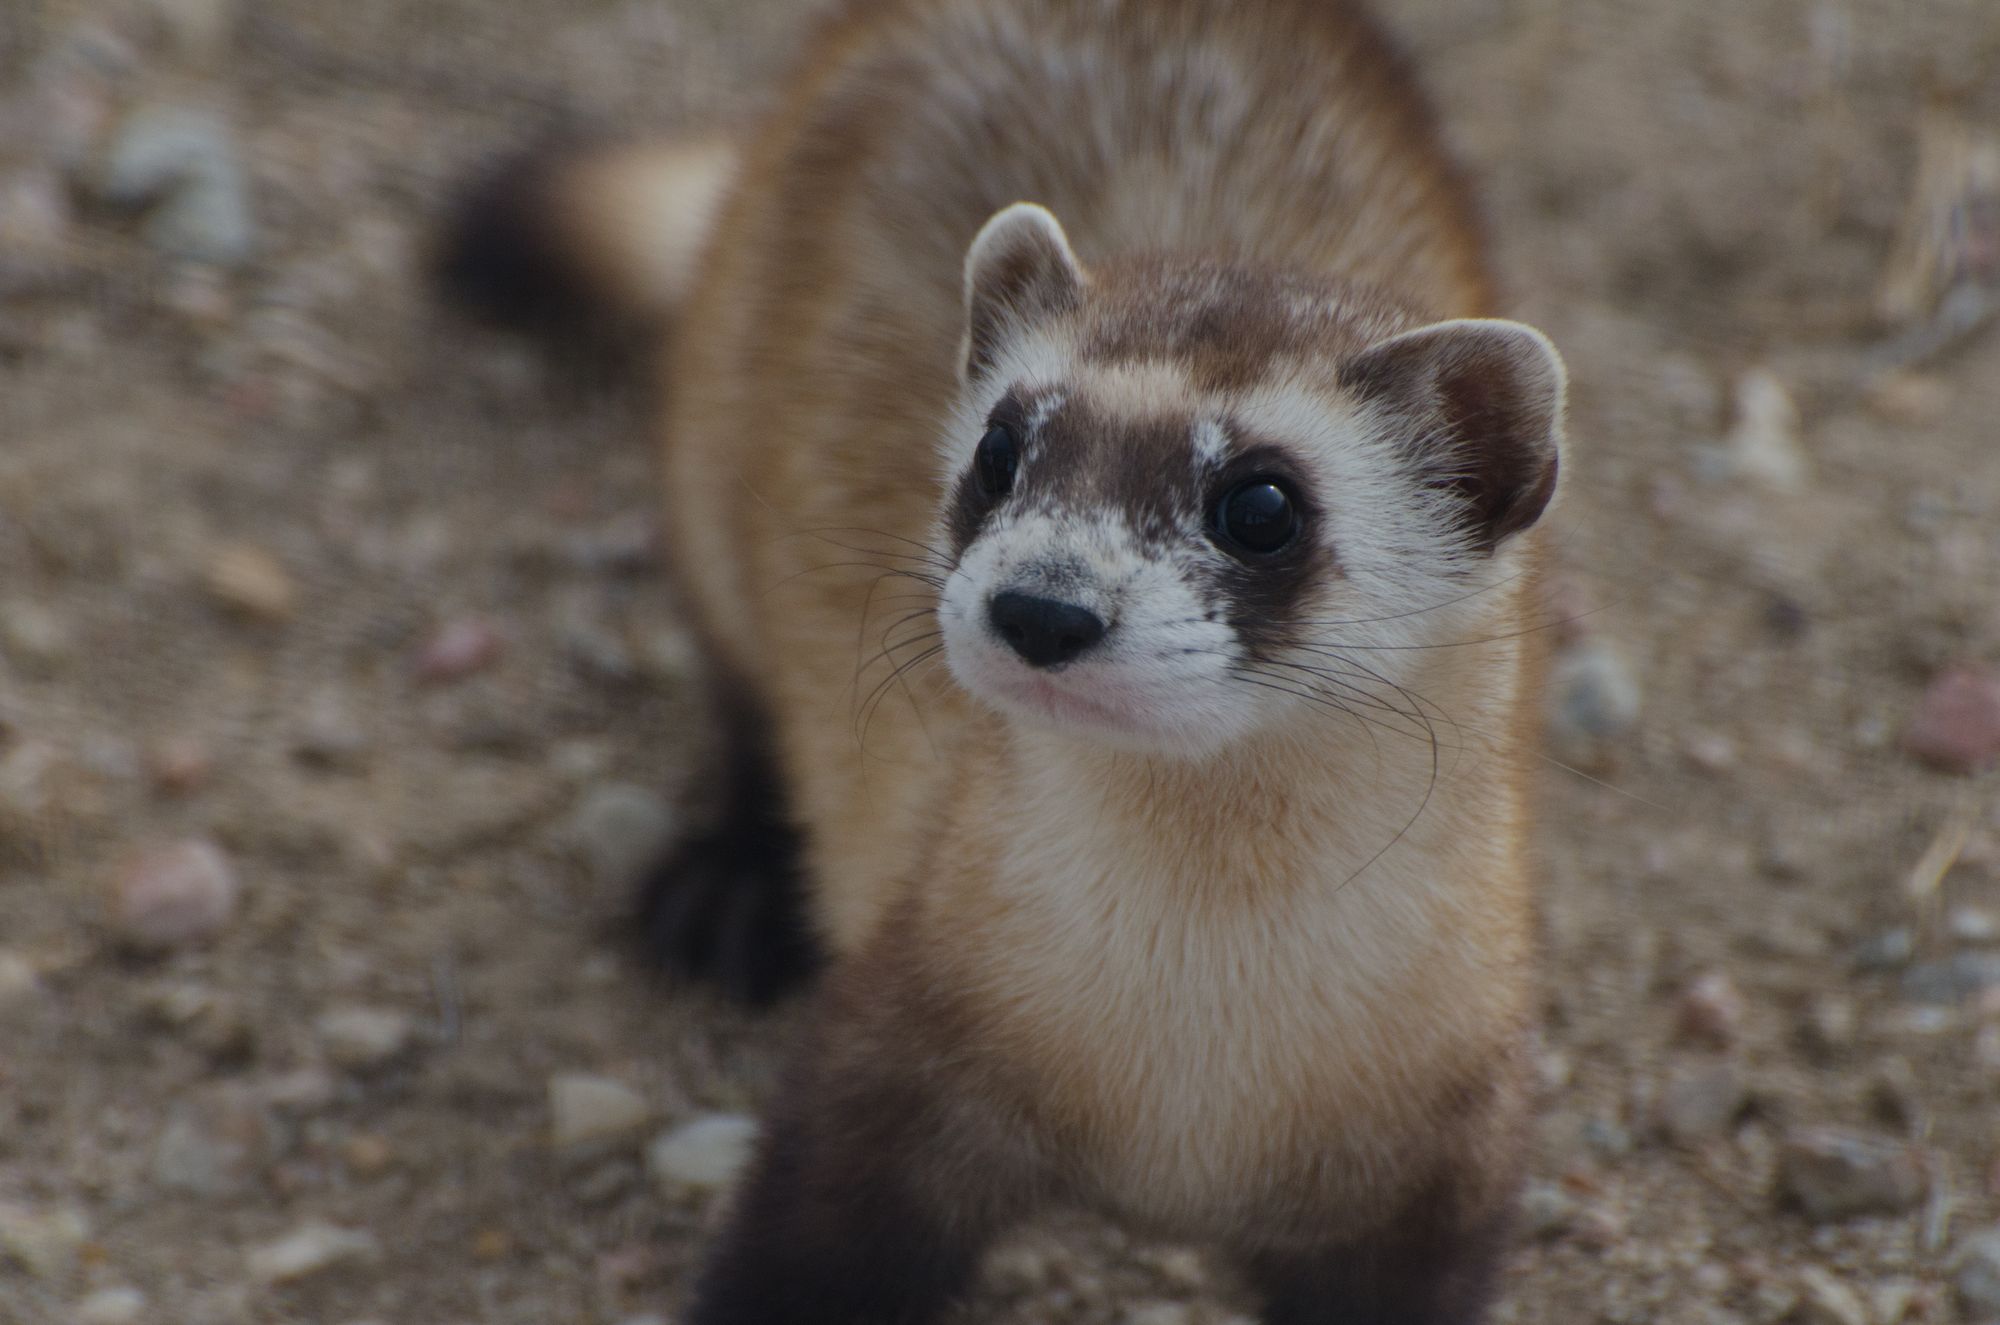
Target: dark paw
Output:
[{"x": 728, "y": 909}]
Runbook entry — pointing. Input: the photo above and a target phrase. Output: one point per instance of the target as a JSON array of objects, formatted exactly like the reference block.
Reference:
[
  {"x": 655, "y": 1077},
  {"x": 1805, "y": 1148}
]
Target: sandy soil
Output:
[{"x": 295, "y": 566}]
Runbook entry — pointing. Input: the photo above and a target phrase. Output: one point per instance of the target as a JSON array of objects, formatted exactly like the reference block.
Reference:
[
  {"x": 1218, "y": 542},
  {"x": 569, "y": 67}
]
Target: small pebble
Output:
[
  {"x": 211, "y": 1146},
  {"x": 1711, "y": 1010},
  {"x": 36, "y": 639},
  {"x": 1910, "y": 399},
  {"x": 330, "y": 733},
  {"x": 1890, "y": 949},
  {"x": 200, "y": 29},
  {"x": 311, "y": 1248},
  {"x": 367, "y": 1154},
  {"x": 1956, "y": 726},
  {"x": 1701, "y": 1103},
  {"x": 1972, "y": 924},
  {"x": 1594, "y": 695},
  {"x": 457, "y": 649},
  {"x": 302, "y": 1090},
  {"x": 112, "y": 1306},
  {"x": 1763, "y": 444},
  {"x": 1827, "y": 1299},
  {"x": 1832, "y": 1174},
  {"x": 1897, "y": 1300},
  {"x": 212, "y": 1022},
  {"x": 1711, "y": 752},
  {"x": 622, "y": 830},
  {"x": 492, "y": 1244},
  {"x": 180, "y": 764},
  {"x": 360, "y": 1039},
  {"x": 1157, "y": 1313},
  {"x": 1607, "y": 1137},
  {"x": 18, "y": 979},
  {"x": 584, "y": 1110},
  {"x": 1547, "y": 1211},
  {"x": 34, "y": 210},
  {"x": 1180, "y": 1266},
  {"x": 175, "y": 895},
  {"x": 250, "y": 581},
  {"x": 1975, "y": 1269},
  {"x": 702, "y": 1155},
  {"x": 184, "y": 164},
  {"x": 1959, "y": 978},
  {"x": 42, "y": 1242},
  {"x": 1019, "y": 1266}
]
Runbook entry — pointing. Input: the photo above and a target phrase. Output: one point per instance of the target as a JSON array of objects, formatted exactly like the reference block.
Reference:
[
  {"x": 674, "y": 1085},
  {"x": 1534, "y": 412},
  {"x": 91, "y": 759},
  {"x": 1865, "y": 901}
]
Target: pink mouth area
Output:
[{"x": 1061, "y": 702}]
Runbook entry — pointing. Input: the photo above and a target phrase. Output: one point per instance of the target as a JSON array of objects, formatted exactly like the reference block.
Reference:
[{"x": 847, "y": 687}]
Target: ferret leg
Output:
[
  {"x": 862, "y": 1208},
  {"x": 1429, "y": 1267}
]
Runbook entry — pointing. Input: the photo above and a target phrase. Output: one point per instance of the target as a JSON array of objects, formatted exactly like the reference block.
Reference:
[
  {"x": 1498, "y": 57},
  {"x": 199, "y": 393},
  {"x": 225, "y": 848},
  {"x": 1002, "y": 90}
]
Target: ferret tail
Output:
[{"x": 584, "y": 240}]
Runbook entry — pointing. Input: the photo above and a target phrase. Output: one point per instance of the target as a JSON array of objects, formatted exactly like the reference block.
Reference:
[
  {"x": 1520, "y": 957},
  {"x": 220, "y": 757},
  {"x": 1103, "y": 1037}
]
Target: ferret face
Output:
[{"x": 1183, "y": 502}]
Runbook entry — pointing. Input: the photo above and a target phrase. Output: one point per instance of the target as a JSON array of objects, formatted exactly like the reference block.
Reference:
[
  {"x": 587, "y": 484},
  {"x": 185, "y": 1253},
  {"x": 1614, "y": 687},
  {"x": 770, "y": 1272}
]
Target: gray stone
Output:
[
  {"x": 250, "y": 582},
  {"x": 621, "y": 830},
  {"x": 1702, "y": 1102},
  {"x": 310, "y": 1249},
  {"x": 1157, "y": 1313},
  {"x": 585, "y": 1110},
  {"x": 361, "y": 1039},
  {"x": 1955, "y": 979},
  {"x": 704, "y": 1154},
  {"x": 1973, "y": 924},
  {"x": 184, "y": 163},
  {"x": 1833, "y": 1174},
  {"x": 1763, "y": 445},
  {"x": 36, "y": 639},
  {"x": 1593, "y": 694},
  {"x": 1711, "y": 1010},
  {"x": 174, "y": 895},
  {"x": 42, "y": 1242},
  {"x": 211, "y": 1146},
  {"x": 1827, "y": 1299},
  {"x": 200, "y": 29},
  {"x": 112, "y": 1306},
  {"x": 330, "y": 733},
  {"x": 1547, "y": 1211},
  {"x": 1887, "y": 951},
  {"x": 1975, "y": 1269},
  {"x": 18, "y": 980}
]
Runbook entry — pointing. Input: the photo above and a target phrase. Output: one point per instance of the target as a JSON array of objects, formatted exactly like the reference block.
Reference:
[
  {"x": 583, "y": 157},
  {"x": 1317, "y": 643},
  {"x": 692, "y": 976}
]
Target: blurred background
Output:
[{"x": 340, "y": 700}]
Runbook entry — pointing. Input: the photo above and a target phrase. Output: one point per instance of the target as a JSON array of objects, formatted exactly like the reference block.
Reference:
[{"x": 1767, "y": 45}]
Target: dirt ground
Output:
[{"x": 295, "y": 567}]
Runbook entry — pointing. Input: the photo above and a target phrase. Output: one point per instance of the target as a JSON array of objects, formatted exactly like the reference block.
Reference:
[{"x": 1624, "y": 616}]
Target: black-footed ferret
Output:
[{"x": 1109, "y": 512}]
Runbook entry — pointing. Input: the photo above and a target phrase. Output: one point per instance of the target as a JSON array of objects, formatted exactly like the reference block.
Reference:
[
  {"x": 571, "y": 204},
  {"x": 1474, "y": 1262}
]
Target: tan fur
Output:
[
  {"x": 642, "y": 273},
  {"x": 1216, "y": 996}
]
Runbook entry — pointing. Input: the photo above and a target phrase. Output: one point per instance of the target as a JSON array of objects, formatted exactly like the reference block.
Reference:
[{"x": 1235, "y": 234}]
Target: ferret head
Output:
[{"x": 1185, "y": 501}]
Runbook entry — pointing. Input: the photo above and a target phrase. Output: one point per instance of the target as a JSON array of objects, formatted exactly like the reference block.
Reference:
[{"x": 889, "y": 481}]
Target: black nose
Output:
[{"x": 1043, "y": 631}]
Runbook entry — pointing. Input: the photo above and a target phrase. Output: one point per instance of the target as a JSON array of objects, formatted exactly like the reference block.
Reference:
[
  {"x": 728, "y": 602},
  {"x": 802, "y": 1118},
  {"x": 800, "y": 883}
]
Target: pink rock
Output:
[
  {"x": 181, "y": 764},
  {"x": 459, "y": 648},
  {"x": 1957, "y": 723},
  {"x": 1711, "y": 1010},
  {"x": 175, "y": 895}
]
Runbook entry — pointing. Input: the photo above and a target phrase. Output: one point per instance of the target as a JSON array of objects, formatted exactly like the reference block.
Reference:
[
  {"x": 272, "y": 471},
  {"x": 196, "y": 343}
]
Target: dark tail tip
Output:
[{"x": 502, "y": 255}]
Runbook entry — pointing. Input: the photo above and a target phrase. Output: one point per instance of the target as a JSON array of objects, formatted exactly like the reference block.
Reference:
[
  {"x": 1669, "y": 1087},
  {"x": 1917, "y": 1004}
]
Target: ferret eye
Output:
[
  {"x": 996, "y": 462},
  {"x": 1257, "y": 515}
]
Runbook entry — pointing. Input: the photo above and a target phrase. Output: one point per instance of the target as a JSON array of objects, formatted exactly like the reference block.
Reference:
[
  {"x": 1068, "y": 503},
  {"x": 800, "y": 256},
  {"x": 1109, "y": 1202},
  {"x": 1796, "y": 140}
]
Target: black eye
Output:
[
  {"x": 1257, "y": 515},
  {"x": 996, "y": 462}
]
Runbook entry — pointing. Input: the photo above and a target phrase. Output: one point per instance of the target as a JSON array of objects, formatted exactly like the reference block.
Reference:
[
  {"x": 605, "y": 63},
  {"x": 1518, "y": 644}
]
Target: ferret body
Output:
[{"x": 1110, "y": 513}]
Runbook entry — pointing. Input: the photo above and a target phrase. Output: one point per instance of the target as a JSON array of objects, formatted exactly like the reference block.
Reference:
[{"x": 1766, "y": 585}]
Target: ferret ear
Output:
[
  {"x": 1478, "y": 404},
  {"x": 1019, "y": 270}
]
